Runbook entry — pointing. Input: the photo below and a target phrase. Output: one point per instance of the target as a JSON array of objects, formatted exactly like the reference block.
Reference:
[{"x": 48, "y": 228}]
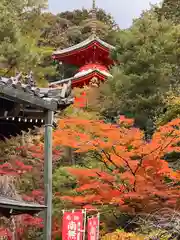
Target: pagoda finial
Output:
[{"x": 94, "y": 18}]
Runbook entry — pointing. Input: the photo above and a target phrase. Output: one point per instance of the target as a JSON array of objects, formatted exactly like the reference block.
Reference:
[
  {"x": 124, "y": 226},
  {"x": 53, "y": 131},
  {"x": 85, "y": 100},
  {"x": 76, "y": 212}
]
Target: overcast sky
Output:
[{"x": 122, "y": 10}]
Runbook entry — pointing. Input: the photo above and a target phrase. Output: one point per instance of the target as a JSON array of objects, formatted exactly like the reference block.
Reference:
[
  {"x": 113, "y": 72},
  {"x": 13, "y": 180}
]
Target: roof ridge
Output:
[{"x": 83, "y": 43}]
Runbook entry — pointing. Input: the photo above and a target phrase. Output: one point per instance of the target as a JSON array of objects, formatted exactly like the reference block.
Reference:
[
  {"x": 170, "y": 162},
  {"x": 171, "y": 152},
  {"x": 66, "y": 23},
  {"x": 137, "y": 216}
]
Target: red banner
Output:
[
  {"x": 93, "y": 228},
  {"x": 73, "y": 226}
]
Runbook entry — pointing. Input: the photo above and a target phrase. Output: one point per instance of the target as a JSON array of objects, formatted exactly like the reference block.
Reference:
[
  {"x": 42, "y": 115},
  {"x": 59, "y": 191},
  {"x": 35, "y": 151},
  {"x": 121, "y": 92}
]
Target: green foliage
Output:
[
  {"x": 19, "y": 32},
  {"x": 69, "y": 28},
  {"x": 63, "y": 183},
  {"x": 172, "y": 109},
  {"x": 20, "y": 26},
  {"x": 147, "y": 54},
  {"x": 170, "y": 10}
]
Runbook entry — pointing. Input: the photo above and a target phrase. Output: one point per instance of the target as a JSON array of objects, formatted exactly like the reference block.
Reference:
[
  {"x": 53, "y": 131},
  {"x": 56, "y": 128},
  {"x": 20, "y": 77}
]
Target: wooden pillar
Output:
[{"x": 48, "y": 175}]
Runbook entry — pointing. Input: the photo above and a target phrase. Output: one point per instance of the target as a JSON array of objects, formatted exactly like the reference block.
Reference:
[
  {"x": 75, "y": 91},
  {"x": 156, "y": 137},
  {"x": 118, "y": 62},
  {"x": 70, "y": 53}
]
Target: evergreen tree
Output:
[
  {"x": 148, "y": 66},
  {"x": 171, "y": 10},
  {"x": 20, "y": 31},
  {"x": 17, "y": 25}
]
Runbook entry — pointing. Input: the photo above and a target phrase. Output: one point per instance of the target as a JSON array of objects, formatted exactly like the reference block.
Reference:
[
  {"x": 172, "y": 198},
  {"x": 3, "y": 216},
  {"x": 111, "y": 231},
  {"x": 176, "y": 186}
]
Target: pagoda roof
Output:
[
  {"x": 84, "y": 44},
  {"x": 9, "y": 207},
  {"x": 68, "y": 54},
  {"x": 81, "y": 76}
]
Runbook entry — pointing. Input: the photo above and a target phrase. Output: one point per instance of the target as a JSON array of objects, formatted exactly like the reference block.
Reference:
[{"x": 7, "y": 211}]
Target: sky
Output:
[{"x": 123, "y": 11}]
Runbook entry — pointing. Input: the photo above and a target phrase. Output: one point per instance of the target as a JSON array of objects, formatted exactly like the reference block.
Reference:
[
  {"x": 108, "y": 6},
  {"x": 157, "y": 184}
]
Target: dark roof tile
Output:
[{"x": 61, "y": 96}]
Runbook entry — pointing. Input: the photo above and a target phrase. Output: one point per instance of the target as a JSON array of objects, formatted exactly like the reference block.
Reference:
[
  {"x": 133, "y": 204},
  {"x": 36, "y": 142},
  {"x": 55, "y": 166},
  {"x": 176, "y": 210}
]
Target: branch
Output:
[
  {"x": 107, "y": 155},
  {"x": 123, "y": 160},
  {"x": 106, "y": 181},
  {"x": 9, "y": 69},
  {"x": 100, "y": 159}
]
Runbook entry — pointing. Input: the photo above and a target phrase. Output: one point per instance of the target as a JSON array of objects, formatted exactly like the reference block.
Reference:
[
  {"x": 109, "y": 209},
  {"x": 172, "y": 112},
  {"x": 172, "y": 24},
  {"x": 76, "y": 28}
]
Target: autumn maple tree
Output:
[
  {"x": 16, "y": 170},
  {"x": 25, "y": 166},
  {"x": 134, "y": 174}
]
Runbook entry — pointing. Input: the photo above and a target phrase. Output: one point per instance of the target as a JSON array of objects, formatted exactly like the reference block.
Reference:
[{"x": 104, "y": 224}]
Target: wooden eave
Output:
[{"x": 9, "y": 207}]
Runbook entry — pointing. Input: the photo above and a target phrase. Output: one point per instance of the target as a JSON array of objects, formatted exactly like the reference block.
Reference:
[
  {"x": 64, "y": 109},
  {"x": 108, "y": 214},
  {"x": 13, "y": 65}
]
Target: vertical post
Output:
[
  {"x": 48, "y": 174},
  {"x": 84, "y": 230},
  {"x": 98, "y": 215}
]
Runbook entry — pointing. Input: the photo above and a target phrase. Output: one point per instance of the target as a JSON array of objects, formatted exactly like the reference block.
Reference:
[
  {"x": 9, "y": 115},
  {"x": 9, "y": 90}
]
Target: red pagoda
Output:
[{"x": 92, "y": 56}]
